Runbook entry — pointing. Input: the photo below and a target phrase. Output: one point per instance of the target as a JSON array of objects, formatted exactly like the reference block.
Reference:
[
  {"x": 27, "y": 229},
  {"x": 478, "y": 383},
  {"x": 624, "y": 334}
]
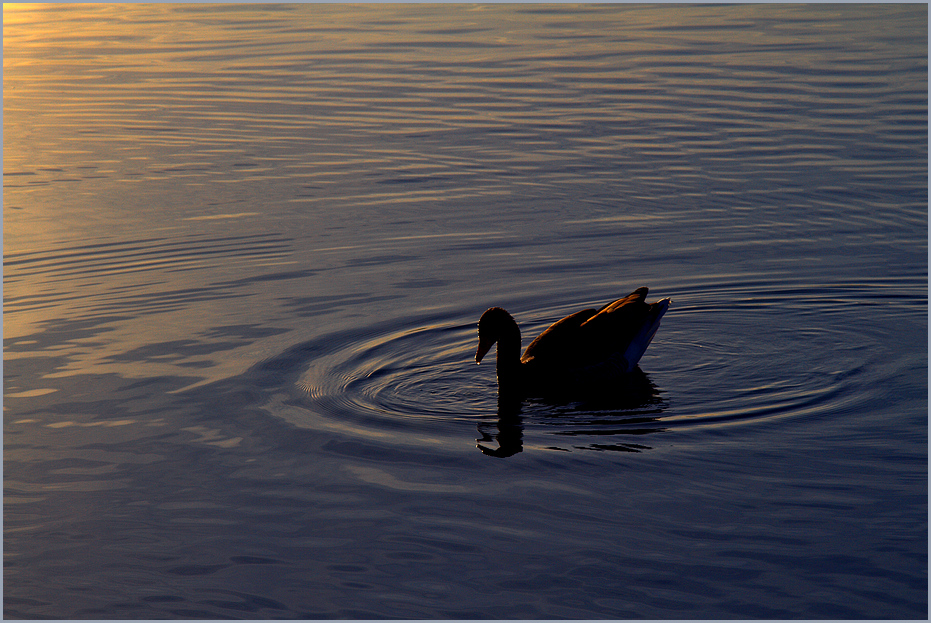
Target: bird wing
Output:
[
  {"x": 619, "y": 332},
  {"x": 560, "y": 339}
]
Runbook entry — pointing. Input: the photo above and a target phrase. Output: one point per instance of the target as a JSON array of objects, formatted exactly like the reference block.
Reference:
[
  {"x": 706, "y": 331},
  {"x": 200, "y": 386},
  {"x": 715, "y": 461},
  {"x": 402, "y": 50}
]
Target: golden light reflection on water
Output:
[
  {"x": 129, "y": 124},
  {"x": 309, "y": 206}
]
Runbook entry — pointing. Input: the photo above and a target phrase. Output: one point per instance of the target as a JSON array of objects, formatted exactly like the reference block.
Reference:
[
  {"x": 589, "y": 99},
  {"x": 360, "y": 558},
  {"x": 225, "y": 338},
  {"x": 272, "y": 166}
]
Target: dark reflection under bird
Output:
[{"x": 605, "y": 419}]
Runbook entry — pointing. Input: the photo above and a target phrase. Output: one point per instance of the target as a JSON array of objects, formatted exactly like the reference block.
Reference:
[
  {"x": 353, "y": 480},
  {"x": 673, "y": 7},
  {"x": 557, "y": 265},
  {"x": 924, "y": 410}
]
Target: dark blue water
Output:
[{"x": 246, "y": 248}]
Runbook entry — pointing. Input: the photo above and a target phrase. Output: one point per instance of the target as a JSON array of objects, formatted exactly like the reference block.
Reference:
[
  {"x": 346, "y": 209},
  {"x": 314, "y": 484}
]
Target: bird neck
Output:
[{"x": 507, "y": 362}]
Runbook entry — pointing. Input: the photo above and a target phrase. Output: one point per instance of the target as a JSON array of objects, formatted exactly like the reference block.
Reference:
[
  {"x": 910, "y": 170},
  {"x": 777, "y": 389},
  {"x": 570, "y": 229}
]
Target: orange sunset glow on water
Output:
[{"x": 248, "y": 249}]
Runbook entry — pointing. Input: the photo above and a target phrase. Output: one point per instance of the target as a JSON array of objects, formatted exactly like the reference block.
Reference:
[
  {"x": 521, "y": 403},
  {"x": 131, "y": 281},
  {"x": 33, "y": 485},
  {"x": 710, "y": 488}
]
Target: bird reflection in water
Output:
[
  {"x": 509, "y": 435},
  {"x": 630, "y": 407}
]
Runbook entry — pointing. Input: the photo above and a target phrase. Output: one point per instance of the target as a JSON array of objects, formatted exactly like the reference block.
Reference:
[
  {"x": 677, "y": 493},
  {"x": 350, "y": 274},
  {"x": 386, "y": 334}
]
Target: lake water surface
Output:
[{"x": 245, "y": 249}]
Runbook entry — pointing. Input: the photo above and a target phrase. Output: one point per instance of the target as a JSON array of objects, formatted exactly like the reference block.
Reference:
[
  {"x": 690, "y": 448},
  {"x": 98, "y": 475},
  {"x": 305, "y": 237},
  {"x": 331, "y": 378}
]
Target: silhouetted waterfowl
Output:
[{"x": 587, "y": 347}]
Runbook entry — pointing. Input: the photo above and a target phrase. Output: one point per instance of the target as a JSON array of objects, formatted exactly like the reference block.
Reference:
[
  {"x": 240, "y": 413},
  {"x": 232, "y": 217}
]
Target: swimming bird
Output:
[{"x": 589, "y": 347}]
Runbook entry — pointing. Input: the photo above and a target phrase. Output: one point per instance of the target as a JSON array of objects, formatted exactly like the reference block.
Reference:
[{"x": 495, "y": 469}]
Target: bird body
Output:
[{"x": 587, "y": 347}]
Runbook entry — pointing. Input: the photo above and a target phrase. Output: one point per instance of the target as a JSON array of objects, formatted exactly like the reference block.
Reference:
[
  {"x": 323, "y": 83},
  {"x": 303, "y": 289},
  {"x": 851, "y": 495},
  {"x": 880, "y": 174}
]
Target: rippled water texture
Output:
[{"x": 245, "y": 249}]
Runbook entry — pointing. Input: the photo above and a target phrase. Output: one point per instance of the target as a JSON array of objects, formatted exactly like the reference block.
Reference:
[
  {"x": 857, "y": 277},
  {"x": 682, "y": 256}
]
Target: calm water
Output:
[{"x": 245, "y": 249}]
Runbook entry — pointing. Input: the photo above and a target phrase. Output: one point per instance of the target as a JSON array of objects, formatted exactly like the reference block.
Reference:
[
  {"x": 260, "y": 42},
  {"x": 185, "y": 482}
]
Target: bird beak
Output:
[{"x": 483, "y": 348}]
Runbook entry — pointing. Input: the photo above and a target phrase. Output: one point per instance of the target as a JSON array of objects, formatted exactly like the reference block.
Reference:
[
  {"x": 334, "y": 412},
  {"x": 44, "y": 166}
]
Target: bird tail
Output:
[{"x": 639, "y": 344}]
